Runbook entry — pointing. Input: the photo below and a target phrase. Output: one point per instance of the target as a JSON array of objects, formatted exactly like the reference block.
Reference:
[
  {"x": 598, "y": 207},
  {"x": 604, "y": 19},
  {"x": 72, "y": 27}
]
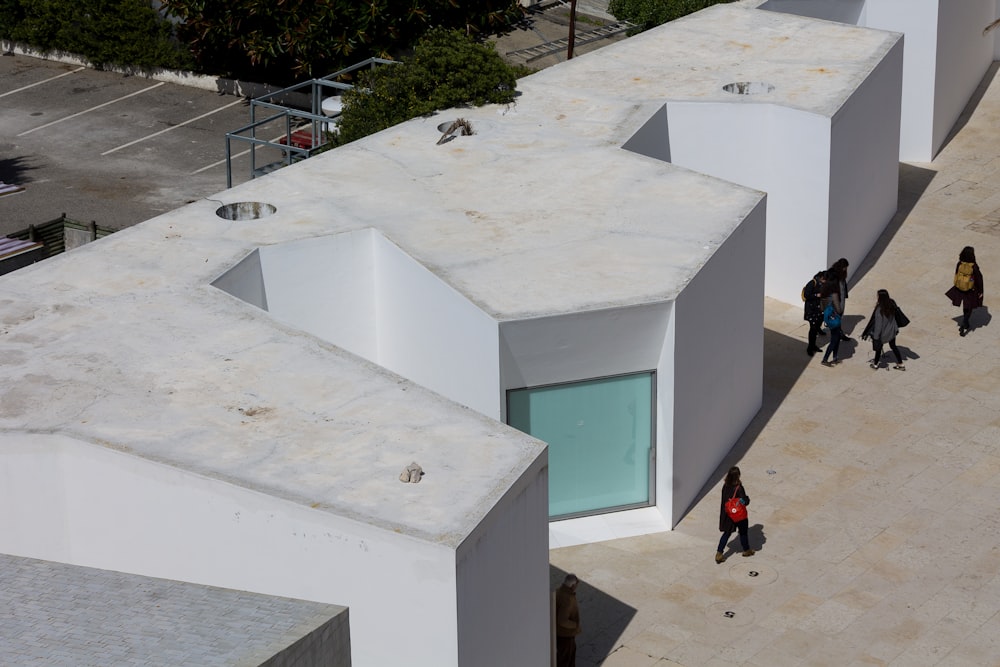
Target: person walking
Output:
[
  {"x": 831, "y": 317},
  {"x": 733, "y": 494},
  {"x": 812, "y": 311},
  {"x": 883, "y": 326},
  {"x": 839, "y": 269},
  {"x": 967, "y": 290},
  {"x": 567, "y": 622}
]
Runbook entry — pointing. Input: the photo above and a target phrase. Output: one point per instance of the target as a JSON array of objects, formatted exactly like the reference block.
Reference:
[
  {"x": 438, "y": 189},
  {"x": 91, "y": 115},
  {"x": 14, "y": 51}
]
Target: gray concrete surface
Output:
[
  {"x": 59, "y": 615},
  {"x": 872, "y": 490},
  {"x": 104, "y": 147}
]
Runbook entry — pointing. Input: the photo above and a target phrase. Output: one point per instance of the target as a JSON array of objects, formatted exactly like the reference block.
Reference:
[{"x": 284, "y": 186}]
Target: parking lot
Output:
[
  {"x": 119, "y": 150},
  {"x": 102, "y": 146}
]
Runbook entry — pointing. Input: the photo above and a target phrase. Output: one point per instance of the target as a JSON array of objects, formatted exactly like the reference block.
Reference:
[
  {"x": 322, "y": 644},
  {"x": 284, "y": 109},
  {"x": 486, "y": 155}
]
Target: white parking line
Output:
[
  {"x": 173, "y": 127},
  {"x": 38, "y": 83},
  {"x": 99, "y": 106},
  {"x": 232, "y": 157}
]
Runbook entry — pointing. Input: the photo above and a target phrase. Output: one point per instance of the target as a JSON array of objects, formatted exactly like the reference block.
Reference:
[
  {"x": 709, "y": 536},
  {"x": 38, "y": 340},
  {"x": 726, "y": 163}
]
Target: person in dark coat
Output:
[
  {"x": 730, "y": 488},
  {"x": 567, "y": 622},
  {"x": 882, "y": 328},
  {"x": 968, "y": 297},
  {"x": 812, "y": 310}
]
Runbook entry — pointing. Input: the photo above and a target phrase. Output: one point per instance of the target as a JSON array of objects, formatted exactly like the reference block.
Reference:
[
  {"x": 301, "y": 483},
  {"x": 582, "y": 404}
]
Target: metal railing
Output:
[{"x": 304, "y": 130}]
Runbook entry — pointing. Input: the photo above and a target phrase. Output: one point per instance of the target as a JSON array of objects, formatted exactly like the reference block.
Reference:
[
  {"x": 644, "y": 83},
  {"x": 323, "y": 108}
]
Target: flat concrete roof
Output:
[
  {"x": 65, "y": 616},
  {"x": 124, "y": 342},
  {"x": 813, "y": 65}
]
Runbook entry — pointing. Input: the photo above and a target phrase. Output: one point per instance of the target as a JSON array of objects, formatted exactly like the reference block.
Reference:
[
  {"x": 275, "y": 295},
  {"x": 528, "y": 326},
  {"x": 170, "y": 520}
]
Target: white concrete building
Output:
[
  {"x": 949, "y": 47},
  {"x": 396, "y": 300}
]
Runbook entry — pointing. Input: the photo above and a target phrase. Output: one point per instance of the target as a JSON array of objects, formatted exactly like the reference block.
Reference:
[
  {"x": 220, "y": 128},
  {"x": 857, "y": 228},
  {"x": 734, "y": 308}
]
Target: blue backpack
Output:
[{"x": 831, "y": 317}]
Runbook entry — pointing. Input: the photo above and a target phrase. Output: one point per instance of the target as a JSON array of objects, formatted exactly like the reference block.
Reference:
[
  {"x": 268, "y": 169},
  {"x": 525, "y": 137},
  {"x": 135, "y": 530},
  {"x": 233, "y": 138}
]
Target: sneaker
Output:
[
  {"x": 748, "y": 553},
  {"x": 962, "y": 331},
  {"x": 719, "y": 557},
  {"x": 899, "y": 367},
  {"x": 827, "y": 363},
  {"x": 873, "y": 365}
]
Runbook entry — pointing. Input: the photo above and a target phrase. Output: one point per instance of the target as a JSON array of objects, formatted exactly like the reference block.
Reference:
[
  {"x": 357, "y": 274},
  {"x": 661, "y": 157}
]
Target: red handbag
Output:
[{"x": 735, "y": 509}]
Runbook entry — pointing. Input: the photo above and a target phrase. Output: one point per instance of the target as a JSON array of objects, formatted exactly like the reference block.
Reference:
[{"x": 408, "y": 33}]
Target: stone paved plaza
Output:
[{"x": 873, "y": 491}]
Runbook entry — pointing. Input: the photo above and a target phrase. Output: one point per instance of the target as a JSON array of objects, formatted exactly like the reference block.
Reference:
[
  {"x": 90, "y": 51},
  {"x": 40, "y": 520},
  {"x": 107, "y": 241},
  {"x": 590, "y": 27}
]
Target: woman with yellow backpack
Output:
[{"x": 967, "y": 291}]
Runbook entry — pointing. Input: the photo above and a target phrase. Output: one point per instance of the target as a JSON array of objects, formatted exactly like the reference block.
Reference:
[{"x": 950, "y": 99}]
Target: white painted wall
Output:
[
  {"x": 87, "y": 505},
  {"x": 430, "y": 333},
  {"x": 946, "y": 56},
  {"x": 864, "y": 167},
  {"x": 918, "y": 21},
  {"x": 963, "y": 56},
  {"x": 503, "y": 565},
  {"x": 781, "y": 151},
  {"x": 718, "y": 330},
  {"x": 360, "y": 292},
  {"x": 325, "y": 286}
]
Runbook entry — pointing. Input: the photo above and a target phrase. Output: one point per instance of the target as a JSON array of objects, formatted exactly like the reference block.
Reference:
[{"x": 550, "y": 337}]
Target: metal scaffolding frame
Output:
[{"x": 299, "y": 127}]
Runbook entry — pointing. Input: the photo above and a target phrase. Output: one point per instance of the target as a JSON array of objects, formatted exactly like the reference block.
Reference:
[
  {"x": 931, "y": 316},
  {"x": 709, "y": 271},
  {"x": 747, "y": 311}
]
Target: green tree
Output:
[
  {"x": 284, "y": 40},
  {"x": 127, "y": 33},
  {"x": 646, "y": 14},
  {"x": 447, "y": 69}
]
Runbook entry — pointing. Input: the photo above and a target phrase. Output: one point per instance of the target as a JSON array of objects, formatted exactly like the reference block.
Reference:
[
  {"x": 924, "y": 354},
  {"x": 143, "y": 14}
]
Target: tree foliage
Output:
[
  {"x": 127, "y": 33},
  {"x": 447, "y": 69},
  {"x": 646, "y": 14},
  {"x": 293, "y": 39}
]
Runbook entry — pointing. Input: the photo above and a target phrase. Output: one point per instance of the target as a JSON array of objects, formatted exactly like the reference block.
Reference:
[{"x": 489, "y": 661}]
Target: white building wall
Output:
[
  {"x": 946, "y": 56},
  {"x": 964, "y": 54},
  {"x": 86, "y": 505},
  {"x": 864, "y": 167},
  {"x": 511, "y": 545},
  {"x": 325, "y": 286},
  {"x": 781, "y": 151},
  {"x": 718, "y": 324},
  {"x": 429, "y": 333}
]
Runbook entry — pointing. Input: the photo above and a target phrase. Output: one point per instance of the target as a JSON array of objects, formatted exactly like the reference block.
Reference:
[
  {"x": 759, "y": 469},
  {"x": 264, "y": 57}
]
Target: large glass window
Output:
[{"x": 600, "y": 437}]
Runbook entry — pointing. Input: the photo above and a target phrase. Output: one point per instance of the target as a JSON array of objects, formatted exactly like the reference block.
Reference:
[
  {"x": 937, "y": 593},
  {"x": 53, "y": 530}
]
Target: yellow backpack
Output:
[{"x": 963, "y": 277}]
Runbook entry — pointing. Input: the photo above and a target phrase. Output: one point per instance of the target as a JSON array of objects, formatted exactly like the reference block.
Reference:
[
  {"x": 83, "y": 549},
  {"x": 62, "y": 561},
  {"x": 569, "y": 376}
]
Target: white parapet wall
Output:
[{"x": 948, "y": 50}]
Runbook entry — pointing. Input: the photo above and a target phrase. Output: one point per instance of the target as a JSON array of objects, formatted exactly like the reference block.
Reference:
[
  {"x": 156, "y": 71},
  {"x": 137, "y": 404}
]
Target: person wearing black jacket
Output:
[
  {"x": 733, "y": 487},
  {"x": 812, "y": 310}
]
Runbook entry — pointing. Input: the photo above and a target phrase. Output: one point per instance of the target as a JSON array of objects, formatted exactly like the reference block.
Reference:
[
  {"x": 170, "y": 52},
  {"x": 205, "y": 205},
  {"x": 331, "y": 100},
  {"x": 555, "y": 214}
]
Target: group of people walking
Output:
[
  {"x": 824, "y": 298},
  {"x": 825, "y": 295}
]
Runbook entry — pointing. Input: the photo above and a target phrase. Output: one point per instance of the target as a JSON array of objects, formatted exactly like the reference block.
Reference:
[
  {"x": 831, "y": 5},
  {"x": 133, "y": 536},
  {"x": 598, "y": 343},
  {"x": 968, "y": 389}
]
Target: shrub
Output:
[{"x": 447, "y": 69}]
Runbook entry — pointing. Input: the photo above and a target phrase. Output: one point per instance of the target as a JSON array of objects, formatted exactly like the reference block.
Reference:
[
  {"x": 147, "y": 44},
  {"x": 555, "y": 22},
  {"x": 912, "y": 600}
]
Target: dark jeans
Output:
[
  {"x": 877, "y": 347},
  {"x": 834, "y": 346},
  {"x": 741, "y": 526},
  {"x": 814, "y": 329},
  {"x": 565, "y": 651}
]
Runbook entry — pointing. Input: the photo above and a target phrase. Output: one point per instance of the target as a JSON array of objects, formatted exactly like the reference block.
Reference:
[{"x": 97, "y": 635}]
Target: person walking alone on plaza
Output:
[
  {"x": 812, "y": 311},
  {"x": 567, "y": 622},
  {"x": 733, "y": 493},
  {"x": 883, "y": 326},
  {"x": 967, "y": 291}
]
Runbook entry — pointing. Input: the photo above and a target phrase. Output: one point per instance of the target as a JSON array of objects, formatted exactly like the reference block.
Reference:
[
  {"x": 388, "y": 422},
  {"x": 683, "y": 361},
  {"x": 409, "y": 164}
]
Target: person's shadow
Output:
[
  {"x": 756, "y": 536},
  {"x": 980, "y": 318}
]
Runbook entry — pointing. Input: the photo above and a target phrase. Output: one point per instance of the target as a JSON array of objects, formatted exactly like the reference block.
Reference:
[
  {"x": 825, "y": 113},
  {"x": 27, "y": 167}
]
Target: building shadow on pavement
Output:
[{"x": 603, "y": 619}]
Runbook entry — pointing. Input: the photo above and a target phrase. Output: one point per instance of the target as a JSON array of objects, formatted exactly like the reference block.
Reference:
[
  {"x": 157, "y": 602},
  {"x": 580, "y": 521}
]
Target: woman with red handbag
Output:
[{"x": 733, "y": 514}]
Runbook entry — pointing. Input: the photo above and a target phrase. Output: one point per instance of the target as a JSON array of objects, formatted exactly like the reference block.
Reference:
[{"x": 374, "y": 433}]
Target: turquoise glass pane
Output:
[{"x": 599, "y": 433}]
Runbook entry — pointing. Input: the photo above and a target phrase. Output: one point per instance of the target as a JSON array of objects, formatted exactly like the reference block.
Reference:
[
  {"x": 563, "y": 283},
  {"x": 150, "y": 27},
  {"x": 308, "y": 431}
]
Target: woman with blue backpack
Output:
[{"x": 831, "y": 316}]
